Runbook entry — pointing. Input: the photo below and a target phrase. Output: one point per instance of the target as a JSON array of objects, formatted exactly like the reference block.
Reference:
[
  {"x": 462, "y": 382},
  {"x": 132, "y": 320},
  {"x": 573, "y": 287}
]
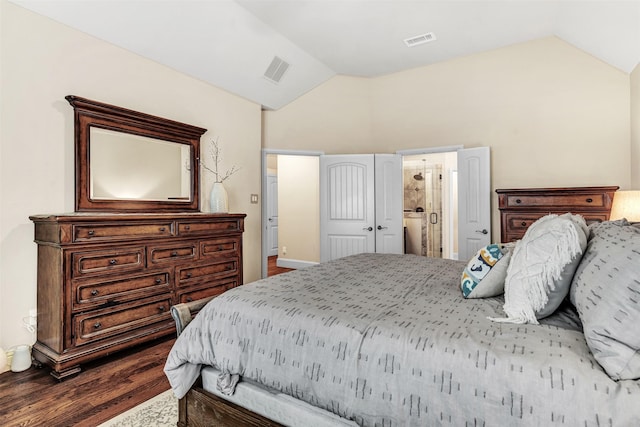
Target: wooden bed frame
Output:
[{"x": 201, "y": 408}]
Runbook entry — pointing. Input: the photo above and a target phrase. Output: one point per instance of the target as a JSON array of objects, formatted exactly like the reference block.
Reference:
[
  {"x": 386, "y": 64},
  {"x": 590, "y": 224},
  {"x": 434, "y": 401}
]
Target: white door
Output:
[
  {"x": 388, "y": 203},
  {"x": 272, "y": 215},
  {"x": 347, "y": 215},
  {"x": 360, "y": 205},
  {"x": 474, "y": 201}
]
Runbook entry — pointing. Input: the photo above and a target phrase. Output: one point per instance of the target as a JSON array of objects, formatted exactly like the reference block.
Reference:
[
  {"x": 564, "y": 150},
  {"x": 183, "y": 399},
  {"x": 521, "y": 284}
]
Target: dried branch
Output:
[{"x": 215, "y": 154}]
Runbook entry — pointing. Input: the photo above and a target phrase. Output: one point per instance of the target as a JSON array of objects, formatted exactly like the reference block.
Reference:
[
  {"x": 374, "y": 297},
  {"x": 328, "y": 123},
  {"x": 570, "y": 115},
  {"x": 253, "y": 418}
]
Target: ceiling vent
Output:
[
  {"x": 421, "y": 39},
  {"x": 276, "y": 69}
]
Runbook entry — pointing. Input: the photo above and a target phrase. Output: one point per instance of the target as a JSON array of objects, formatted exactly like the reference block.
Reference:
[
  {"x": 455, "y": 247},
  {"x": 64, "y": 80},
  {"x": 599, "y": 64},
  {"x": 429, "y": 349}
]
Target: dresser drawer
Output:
[
  {"x": 221, "y": 287},
  {"x": 520, "y": 223},
  {"x": 133, "y": 231},
  {"x": 209, "y": 227},
  {"x": 220, "y": 248},
  {"x": 188, "y": 276},
  {"x": 174, "y": 252},
  {"x": 593, "y": 218},
  {"x": 90, "y": 327},
  {"x": 556, "y": 201},
  {"x": 107, "y": 261},
  {"x": 92, "y": 295}
]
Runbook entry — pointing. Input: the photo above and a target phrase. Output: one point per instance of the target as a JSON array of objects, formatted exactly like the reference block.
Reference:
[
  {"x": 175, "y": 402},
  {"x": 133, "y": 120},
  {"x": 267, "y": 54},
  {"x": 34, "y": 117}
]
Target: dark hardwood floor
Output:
[
  {"x": 272, "y": 267},
  {"x": 101, "y": 391}
]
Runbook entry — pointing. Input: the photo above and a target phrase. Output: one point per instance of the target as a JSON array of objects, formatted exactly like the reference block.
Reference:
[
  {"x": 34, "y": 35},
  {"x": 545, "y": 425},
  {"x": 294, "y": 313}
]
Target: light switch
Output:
[{"x": 254, "y": 198}]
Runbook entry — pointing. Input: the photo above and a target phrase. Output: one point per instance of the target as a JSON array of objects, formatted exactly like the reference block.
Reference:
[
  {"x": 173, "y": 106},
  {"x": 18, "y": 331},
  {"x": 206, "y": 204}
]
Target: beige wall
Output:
[
  {"x": 298, "y": 208},
  {"x": 552, "y": 115},
  {"x": 42, "y": 62},
  {"x": 635, "y": 130},
  {"x": 334, "y": 118}
]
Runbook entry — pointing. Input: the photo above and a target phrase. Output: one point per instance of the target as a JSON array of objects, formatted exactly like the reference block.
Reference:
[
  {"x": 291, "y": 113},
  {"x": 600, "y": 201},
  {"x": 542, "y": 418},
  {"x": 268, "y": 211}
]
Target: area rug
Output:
[{"x": 159, "y": 411}]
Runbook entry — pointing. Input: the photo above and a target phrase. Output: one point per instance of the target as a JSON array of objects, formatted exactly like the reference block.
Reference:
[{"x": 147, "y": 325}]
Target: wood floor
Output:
[
  {"x": 101, "y": 391},
  {"x": 272, "y": 267}
]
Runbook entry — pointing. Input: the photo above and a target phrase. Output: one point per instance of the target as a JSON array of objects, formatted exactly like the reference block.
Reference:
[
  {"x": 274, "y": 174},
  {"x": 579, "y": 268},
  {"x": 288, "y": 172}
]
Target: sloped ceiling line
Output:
[{"x": 320, "y": 38}]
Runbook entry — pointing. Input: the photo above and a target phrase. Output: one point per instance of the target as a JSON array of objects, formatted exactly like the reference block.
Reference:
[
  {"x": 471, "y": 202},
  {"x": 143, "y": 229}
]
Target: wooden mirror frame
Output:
[{"x": 88, "y": 113}]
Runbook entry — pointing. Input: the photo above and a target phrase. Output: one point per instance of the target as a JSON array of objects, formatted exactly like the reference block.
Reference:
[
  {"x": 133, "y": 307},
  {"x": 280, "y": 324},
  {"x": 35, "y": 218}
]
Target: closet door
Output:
[
  {"x": 388, "y": 203},
  {"x": 474, "y": 201},
  {"x": 347, "y": 209},
  {"x": 272, "y": 215},
  {"x": 360, "y": 205}
]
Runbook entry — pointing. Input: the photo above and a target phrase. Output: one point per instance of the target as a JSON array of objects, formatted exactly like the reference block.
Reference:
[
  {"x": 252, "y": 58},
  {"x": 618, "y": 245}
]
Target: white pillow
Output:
[{"x": 542, "y": 267}]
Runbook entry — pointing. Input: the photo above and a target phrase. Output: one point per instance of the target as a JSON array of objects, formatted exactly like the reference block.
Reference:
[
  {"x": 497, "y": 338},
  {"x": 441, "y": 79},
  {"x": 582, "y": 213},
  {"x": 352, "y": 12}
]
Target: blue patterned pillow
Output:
[{"x": 485, "y": 273}]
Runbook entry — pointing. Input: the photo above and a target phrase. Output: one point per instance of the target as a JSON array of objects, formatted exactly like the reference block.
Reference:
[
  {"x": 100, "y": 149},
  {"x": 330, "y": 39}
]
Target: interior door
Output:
[
  {"x": 388, "y": 203},
  {"x": 347, "y": 209},
  {"x": 474, "y": 201},
  {"x": 272, "y": 215},
  {"x": 361, "y": 205}
]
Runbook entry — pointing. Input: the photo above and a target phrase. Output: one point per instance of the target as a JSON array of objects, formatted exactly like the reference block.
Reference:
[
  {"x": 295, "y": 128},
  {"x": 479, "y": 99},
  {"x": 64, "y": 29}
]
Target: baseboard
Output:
[{"x": 294, "y": 263}]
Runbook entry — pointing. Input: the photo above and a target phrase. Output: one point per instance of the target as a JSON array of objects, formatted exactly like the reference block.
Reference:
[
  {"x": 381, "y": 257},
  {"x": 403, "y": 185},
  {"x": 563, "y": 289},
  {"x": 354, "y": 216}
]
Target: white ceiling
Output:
[{"x": 230, "y": 43}]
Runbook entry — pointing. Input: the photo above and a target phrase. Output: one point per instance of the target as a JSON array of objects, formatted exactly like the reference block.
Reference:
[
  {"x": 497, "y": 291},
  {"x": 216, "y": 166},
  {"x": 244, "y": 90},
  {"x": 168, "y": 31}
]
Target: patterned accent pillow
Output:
[
  {"x": 606, "y": 292},
  {"x": 484, "y": 275}
]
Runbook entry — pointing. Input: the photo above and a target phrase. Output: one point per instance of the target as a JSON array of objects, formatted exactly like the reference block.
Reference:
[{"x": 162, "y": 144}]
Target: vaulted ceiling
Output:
[{"x": 302, "y": 43}]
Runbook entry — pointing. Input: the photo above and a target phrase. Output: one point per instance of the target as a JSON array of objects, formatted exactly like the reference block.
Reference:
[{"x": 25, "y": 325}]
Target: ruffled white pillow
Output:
[{"x": 542, "y": 267}]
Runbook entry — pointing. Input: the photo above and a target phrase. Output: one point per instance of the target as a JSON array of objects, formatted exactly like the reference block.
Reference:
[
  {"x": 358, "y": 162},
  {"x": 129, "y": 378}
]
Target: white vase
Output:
[{"x": 218, "y": 199}]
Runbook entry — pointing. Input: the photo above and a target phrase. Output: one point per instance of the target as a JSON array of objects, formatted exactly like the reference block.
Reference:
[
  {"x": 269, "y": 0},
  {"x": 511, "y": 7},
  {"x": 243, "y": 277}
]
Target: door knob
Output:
[
  {"x": 484, "y": 231},
  {"x": 382, "y": 228},
  {"x": 367, "y": 228},
  {"x": 270, "y": 219}
]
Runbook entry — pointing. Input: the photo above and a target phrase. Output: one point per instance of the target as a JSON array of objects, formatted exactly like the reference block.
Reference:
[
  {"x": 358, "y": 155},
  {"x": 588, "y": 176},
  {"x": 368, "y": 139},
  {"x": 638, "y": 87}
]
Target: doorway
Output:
[
  {"x": 290, "y": 223},
  {"x": 430, "y": 204}
]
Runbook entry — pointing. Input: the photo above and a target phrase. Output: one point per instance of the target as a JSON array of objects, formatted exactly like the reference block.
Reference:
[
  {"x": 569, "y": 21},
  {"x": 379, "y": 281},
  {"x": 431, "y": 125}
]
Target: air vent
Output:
[
  {"x": 421, "y": 39},
  {"x": 276, "y": 69}
]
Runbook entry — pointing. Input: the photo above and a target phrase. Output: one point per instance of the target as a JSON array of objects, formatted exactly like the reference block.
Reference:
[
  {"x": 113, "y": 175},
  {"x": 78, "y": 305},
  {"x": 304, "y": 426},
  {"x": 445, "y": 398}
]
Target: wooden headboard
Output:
[{"x": 520, "y": 207}]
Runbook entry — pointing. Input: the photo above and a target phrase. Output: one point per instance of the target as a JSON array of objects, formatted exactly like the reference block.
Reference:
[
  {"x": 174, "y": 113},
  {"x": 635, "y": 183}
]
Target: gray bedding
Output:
[{"x": 388, "y": 340}]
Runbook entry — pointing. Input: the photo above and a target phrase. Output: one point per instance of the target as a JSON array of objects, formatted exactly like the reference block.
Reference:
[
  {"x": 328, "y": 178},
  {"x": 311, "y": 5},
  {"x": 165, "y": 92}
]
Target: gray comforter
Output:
[{"x": 388, "y": 340}]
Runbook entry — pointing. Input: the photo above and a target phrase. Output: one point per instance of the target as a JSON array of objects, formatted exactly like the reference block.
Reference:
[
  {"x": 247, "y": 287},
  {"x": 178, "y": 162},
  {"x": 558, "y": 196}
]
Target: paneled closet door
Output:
[
  {"x": 356, "y": 215},
  {"x": 474, "y": 201},
  {"x": 388, "y": 204}
]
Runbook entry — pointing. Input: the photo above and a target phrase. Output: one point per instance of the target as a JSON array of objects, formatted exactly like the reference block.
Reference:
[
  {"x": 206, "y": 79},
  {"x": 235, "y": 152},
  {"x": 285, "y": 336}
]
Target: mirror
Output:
[{"x": 134, "y": 162}]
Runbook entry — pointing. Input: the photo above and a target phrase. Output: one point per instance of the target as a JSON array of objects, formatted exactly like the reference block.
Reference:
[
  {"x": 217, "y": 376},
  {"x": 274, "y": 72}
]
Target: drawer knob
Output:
[
  {"x": 518, "y": 201},
  {"x": 229, "y": 267},
  {"x": 90, "y": 232},
  {"x": 158, "y": 281},
  {"x": 187, "y": 227},
  {"x": 589, "y": 200},
  {"x": 220, "y": 247},
  {"x": 161, "y": 308},
  {"x": 188, "y": 275},
  {"x": 94, "y": 292},
  {"x": 189, "y": 299},
  {"x": 523, "y": 223},
  {"x": 97, "y": 325},
  {"x": 174, "y": 253},
  {"x": 162, "y": 229},
  {"x": 113, "y": 261}
]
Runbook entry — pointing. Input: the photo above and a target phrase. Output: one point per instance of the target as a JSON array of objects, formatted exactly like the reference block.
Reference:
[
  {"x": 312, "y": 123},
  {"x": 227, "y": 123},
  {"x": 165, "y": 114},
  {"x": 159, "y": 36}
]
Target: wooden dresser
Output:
[
  {"x": 106, "y": 281},
  {"x": 521, "y": 207}
]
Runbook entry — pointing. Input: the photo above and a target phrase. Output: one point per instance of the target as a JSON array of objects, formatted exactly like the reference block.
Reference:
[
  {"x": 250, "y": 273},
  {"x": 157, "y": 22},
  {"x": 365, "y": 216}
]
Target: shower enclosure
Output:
[{"x": 423, "y": 211}]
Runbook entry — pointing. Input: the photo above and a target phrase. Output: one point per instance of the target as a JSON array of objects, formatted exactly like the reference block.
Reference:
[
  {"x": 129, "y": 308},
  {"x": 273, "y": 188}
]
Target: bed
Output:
[{"x": 390, "y": 340}]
